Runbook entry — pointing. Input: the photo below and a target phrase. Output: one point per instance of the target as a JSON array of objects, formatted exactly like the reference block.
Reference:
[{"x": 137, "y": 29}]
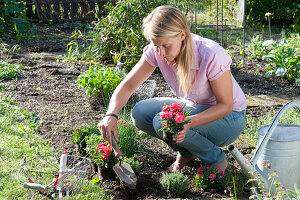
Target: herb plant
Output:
[
  {"x": 174, "y": 184},
  {"x": 100, "y": 80},
  {"x": 127, "y": 134}
]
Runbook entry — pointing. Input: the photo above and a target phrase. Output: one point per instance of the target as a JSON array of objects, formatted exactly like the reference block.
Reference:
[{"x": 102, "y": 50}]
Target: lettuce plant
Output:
[{"x": 100, "y": 80}]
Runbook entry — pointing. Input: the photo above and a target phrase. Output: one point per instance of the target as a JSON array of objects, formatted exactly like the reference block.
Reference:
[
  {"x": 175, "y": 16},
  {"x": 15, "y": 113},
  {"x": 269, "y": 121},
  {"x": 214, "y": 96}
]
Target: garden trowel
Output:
[{"x": 123, "y": 171}]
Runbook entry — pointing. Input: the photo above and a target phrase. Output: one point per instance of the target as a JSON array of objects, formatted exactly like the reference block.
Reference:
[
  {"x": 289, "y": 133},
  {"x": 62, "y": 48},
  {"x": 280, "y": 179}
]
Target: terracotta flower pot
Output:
[{"x": 105, "y": 173}]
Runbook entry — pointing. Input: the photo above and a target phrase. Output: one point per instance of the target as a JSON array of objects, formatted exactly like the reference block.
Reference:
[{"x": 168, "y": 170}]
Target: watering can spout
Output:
[{"x": 246, "y": 165}]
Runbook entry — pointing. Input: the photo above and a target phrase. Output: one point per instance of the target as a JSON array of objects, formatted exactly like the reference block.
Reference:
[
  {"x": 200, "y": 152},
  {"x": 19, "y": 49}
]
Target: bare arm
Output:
[
  {"x": 141, "y": 72},
  {"x": 222, "y": 89}
]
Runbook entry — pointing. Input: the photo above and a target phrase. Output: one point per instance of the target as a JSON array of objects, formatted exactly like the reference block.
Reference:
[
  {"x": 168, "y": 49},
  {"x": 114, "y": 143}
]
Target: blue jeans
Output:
[{"x": 201, "y": 141}]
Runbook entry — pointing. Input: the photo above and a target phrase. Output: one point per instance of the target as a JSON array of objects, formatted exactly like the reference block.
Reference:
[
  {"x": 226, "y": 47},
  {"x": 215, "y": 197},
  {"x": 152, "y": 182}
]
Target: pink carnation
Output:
[
  {"x": 199, "y": 175},
  {"x": 175, "y": 106},
  {"x": 104, "y": 156},
  {"x": 221, "y": 173},
  {"x": 165, "y": 125},
  {"x": 179, "y": 117},
  {"x": 212, "y": 176},
  {"x": 100, "y": 145},
  {"x": 200, "y": 170},
  {"x": 166, "y": 115},
  {"x": 165, "y": 108}
]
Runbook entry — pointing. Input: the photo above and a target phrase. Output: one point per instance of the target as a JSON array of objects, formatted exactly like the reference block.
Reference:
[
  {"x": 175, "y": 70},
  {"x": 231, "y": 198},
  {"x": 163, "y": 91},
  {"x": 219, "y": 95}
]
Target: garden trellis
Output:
[{"x": 65, "y": 10}]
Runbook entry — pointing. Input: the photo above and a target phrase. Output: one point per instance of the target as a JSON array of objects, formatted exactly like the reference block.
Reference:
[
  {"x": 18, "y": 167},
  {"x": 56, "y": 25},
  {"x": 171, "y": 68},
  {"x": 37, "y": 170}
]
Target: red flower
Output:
[
  {"x": 212, "y": 176},
  {"x": 200, "y": 170},
  {"x": 100, "y": 145},
  {"x": 179, "y": 117},
  {"x": 221, "y": 173},
  {"x": 165, "y": 108},
  {"x": 166, "y": 115},
  {"x": 81, "y": 125},
  {"x": 104, "y": 156},
  {"x": 175, "y": 106},
  {"x": 199, "y": 175},
  {"x": 165, "y": 125}
]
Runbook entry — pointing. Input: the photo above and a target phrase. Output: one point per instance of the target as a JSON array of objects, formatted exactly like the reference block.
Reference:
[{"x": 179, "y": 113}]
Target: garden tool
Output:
[
  {"x": 123, "y": 170},
  {"x": 282, "y": 151}
]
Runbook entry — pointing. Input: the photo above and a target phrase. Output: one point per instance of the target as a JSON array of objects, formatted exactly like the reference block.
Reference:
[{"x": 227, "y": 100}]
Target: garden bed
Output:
[{"x": 49, "y": 89}]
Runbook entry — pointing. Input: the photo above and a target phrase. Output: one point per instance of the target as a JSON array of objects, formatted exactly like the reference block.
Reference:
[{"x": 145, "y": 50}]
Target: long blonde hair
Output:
[{"x": 167, "y": 21}]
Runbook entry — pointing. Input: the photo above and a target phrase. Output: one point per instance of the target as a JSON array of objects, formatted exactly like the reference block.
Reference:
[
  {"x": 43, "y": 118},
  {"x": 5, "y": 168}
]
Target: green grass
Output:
[{"x": 18, "y": 139}]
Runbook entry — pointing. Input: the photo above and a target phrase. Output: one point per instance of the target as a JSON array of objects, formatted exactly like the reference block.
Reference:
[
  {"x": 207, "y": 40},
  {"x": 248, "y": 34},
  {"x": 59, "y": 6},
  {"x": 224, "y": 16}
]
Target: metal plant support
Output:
[{"x": 221, "y": 28}]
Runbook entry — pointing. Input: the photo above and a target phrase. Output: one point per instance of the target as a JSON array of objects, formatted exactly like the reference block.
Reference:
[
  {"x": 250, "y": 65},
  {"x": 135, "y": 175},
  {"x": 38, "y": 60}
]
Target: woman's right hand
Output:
[{"x": 108, "y": 128}]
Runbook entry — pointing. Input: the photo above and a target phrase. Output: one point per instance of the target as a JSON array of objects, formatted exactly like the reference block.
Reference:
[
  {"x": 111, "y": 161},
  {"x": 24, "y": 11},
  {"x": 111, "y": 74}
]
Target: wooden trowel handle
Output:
[{"x": 115, "y": 146}]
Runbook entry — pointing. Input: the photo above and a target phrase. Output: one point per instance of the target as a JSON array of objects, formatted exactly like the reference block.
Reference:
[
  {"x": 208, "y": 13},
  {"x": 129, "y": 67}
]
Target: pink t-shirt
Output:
[{"x": 211, "y": 62}]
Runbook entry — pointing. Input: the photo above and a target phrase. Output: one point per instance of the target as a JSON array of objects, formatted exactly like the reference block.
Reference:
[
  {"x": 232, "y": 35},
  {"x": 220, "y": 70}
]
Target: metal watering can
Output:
[{"x": 279, "y": 143}]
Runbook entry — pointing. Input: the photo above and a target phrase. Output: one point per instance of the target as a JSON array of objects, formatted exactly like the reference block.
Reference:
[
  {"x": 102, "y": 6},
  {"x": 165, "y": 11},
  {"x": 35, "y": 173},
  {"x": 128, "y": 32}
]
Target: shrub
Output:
[
  {"x": 208, "y": 178},
  {"x": 118, "y": 36},
  {"x": 12, "y": 17},
  {"x": 9, "y": 71},
  {"x": 284, "y": 12},
  {"x": 174, "y": 184},
  {"x": 100, "y": 80}
]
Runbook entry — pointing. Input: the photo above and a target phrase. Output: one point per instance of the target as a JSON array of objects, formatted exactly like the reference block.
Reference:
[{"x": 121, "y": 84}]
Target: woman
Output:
[{"x": 198, "y": 72}]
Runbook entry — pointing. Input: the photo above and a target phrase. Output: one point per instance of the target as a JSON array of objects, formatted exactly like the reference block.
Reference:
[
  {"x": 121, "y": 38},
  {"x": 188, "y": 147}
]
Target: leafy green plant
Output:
[
  {"x": 284, "y": 61},
  {"x": 100, "y": 80},
  {"x": 9, "y": 71},
  {"x": 258, "y": 47},
  {"x": 174, "y": 184},
  {"x": 118, "y": 36},
  {"x": 294, "y": 194},
  {"x": 134, "y": 164},
  {"x": 12, "y": 17},
  {"x": 80, "y": 133},
  {"x": 208, "y": 178}
]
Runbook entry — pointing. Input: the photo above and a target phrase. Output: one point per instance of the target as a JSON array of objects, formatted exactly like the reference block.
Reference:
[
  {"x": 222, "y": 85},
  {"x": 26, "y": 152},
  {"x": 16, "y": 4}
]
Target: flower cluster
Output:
[
  {"x": 104, "y": 149},
  {"x": 208, "y": 178},
  {"x": 106, "y": 156},
  {"x": 173, "y": 118}
]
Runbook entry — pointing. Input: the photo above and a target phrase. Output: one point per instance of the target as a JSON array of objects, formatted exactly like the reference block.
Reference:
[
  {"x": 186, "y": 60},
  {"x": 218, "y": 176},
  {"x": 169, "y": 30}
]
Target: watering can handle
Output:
[{"x": 271, "y": 129}]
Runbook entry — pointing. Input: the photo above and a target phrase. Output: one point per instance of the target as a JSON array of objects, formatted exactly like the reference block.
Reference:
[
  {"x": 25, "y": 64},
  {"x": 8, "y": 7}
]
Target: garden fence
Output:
[{"x": 65, "y": 10}]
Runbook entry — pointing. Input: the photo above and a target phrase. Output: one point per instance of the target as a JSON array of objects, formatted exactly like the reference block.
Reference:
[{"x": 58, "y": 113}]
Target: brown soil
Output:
[{"x": 49, "y": 89}]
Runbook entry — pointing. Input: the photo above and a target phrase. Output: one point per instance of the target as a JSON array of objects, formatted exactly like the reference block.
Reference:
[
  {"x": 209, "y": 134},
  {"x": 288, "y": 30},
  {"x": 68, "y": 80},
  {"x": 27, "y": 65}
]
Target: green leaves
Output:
[
  {"x": 282, "y": 56},
  {"x": 12, "y": 17},
  {"x": 100, "y": 79},
  {"x": 9, "y": 71}
]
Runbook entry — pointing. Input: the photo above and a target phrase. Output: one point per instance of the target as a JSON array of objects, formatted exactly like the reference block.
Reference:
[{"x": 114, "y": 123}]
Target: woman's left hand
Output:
[{"x": 181, "y": 134}]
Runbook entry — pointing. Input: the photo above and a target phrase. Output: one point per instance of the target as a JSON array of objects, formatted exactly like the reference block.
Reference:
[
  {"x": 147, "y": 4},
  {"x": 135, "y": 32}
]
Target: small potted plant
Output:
[
  {"x": 173, "y": 118},
  {"x": 102, "y": 155}
]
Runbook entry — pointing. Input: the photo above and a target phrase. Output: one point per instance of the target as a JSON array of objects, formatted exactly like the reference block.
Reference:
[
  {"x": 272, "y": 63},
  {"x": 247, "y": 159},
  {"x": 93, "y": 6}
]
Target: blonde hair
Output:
[{"x": 167, "y": 21}]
